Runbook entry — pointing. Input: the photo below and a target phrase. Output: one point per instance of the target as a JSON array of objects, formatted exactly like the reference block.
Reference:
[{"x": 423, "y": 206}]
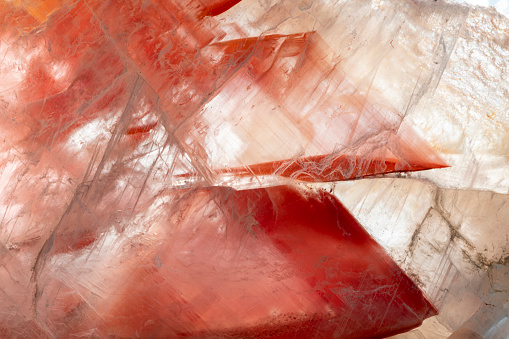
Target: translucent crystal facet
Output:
[{"x": 175, "y": 168}]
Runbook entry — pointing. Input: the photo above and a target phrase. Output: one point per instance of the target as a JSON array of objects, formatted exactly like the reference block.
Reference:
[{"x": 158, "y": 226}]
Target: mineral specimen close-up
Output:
[{"x": 254, "y": 169}]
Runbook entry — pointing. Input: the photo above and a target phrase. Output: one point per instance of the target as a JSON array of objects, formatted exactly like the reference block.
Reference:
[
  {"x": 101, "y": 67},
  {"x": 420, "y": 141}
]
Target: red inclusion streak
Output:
[
  {"x": 140, "y": 129},
  {"x": 328, "y": 168},
  {"x": 323, "y": 168}
]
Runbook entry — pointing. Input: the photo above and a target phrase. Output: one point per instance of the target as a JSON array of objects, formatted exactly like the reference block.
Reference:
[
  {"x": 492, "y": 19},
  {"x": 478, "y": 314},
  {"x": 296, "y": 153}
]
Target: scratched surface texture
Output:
[{"x": 253, "y": 168}]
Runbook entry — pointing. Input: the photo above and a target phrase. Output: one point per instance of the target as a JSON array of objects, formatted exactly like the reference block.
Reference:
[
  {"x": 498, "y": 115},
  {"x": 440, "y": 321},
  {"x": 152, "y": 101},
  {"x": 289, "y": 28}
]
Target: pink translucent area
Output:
[
  {"x": 277, "y": 262},
  {"x": 109, "y": 108},
  {"x": 272, "y": 105}
]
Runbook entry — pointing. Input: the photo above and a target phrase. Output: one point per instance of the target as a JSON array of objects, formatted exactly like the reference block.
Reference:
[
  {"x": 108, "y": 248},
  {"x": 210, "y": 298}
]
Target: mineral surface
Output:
[{"x": 172, "y": 169}]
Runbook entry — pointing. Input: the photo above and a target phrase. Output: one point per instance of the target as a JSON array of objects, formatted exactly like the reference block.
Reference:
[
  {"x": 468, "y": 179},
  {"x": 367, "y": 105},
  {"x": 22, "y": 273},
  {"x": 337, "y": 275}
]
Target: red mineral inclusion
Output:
[
  {"x": 279, "y": 262},
  {"x": 269, "y": 262}
]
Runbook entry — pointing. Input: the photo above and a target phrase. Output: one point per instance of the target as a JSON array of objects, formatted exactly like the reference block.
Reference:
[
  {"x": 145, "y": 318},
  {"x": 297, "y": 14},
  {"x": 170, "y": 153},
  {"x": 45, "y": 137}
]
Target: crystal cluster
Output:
[{"x": 174, "y": 168}]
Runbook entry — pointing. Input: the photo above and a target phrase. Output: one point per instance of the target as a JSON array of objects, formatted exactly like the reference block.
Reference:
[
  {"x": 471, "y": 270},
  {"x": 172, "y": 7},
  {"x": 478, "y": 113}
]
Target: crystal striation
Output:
[{"x": 162, "y": 167}]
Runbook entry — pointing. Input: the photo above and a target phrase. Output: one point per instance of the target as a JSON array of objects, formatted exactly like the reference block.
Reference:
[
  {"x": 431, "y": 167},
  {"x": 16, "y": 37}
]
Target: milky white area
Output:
[
  {"x": 89, "y": 133},
  {"x": 501, "y": 5}
]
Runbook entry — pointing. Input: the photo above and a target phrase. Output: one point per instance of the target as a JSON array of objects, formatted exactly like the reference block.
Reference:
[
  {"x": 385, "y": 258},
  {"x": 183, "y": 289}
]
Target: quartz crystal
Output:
[{"x": 244, "y": 168}]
